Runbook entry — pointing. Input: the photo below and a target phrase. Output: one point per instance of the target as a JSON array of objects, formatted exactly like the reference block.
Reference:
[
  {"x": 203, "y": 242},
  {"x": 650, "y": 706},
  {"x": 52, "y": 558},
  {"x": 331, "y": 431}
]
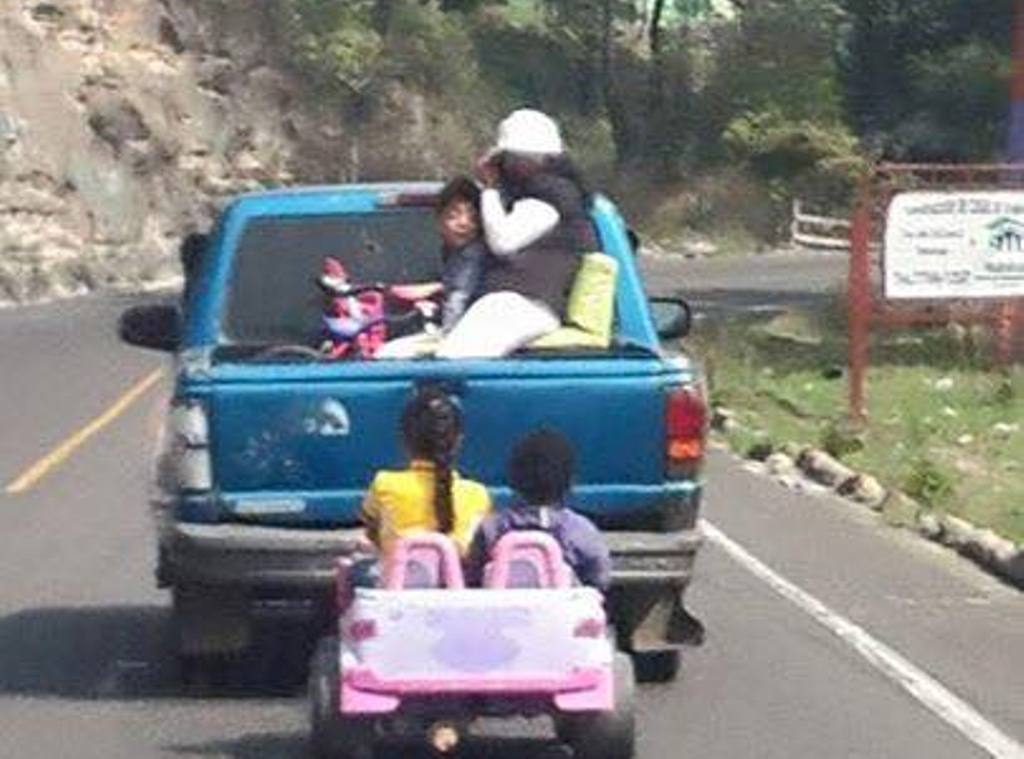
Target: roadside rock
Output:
[
  {"x": 865, "y": 489},
  {"x": 780, "y": 465},
  {"x": 983, "y": 546},
  {"x": 824, "y": 469},
  {"x": 993, "y": 548},
  {"x": 1014, "y": 570},
  {"x": 699, "y": 248},
  {"x": 956, "y": 532},
  {"x": 930, "y": 526},
  {"x": 723, "y": 419},
  {"x": 1005, "y": 430},
  {"x": 792, "y": 449}
]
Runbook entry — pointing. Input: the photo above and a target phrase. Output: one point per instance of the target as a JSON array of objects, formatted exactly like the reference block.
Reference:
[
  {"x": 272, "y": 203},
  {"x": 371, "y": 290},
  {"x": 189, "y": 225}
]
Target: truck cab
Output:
[{"x": 268, "y": 448}]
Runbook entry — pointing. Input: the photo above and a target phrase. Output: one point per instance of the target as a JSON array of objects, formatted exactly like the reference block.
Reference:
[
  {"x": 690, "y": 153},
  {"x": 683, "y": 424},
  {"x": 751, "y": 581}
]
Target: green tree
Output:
[{"x": 927, "y": 80}]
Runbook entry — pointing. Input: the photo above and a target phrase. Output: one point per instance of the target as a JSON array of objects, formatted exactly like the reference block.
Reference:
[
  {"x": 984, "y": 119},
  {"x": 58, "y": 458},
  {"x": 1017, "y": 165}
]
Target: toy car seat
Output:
[
  {"x": 428, "y": 560},
  {"x": 527, "y": 559}
]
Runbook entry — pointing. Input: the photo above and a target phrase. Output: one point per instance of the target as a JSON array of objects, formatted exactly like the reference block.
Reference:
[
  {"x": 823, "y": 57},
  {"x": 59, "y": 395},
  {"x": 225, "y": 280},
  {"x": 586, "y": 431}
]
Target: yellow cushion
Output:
[
  {"x": 590, "y": 310},
  {"x": 570, "y": 337}
]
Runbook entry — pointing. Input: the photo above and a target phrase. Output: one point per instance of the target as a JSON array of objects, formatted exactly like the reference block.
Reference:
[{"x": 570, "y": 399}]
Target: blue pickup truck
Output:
[{"x": 268, "y": 448}]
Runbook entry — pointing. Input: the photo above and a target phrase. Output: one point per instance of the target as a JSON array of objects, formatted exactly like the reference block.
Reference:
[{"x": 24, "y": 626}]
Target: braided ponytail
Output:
[
  {"x": 443, "y": 423},
  {"x": 431, "y": 427}
]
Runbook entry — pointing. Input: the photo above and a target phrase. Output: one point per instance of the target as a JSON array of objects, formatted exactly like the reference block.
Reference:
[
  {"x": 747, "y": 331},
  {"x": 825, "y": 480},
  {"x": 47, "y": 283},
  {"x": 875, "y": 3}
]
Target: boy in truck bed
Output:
[{"x": 463, "y": 252}]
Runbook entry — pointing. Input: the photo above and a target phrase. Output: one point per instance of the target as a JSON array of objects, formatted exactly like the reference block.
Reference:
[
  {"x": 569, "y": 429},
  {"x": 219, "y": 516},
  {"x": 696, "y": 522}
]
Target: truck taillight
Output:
[
  {"x": 685, "y": 429},
  {"x": 184, "y": 464}
]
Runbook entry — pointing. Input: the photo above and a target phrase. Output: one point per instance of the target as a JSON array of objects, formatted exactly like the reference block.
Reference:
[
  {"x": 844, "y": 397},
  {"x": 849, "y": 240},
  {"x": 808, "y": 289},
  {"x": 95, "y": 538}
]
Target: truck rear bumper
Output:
[
  {"x": 225, "y": 561},
  {"x": 253, "y": 557}
]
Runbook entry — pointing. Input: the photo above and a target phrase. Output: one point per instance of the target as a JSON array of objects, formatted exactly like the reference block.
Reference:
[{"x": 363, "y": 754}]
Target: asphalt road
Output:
[{"x": 85, "y": 664}]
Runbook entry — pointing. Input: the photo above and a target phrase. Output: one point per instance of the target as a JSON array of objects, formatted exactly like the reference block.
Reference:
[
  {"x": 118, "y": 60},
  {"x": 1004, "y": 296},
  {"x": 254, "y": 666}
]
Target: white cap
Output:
[{"x": 529, "y": 131}]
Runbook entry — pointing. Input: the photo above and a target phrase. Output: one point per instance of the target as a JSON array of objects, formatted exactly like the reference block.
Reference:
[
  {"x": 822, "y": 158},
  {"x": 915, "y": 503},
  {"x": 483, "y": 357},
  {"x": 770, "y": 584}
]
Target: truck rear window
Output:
[{"x": 273, "y": 297}]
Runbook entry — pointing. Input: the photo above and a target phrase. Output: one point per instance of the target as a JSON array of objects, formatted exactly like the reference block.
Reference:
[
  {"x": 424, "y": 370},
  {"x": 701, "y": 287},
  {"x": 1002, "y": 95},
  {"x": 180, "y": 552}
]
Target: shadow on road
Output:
[
  {"x": 83, "y": 653},
  {"x": 281, "y": 745},
  {"x": 253, "y": 746},
  {"x": 126, "y": 652}
]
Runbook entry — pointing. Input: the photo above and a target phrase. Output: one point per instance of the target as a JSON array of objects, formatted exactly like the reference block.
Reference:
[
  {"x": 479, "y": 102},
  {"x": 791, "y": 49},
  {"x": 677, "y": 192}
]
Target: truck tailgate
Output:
[{"x": 303, "y": 449}]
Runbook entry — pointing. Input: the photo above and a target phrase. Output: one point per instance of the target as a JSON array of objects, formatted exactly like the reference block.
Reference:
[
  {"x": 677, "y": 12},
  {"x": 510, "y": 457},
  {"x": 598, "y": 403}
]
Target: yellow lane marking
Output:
[{"x": 58, "y": 455}]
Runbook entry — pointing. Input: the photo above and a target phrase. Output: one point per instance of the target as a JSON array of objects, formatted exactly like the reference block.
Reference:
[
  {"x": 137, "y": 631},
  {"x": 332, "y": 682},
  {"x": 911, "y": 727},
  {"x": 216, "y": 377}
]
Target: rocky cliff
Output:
[{"x": 122, "y": 125}]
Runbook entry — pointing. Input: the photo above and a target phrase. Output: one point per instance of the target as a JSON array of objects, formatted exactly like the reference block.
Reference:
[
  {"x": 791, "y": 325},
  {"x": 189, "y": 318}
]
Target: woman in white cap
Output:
[{"x": 534, "y": 214}]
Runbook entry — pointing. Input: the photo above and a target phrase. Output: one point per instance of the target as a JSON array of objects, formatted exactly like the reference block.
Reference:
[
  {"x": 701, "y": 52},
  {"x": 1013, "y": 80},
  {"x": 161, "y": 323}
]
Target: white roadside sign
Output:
[{"x": 955, "y": 245}]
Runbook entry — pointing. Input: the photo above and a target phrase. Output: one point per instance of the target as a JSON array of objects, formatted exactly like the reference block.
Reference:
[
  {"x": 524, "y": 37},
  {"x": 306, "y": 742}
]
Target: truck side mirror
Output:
[
  {"x": 155, "y": 326},
  {"x": 673, "y": 317}
]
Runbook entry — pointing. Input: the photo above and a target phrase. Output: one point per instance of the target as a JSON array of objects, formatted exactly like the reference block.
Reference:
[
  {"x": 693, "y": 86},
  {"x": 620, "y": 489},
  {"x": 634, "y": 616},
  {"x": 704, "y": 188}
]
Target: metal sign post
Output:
[{"x": 1015, "y": 138}]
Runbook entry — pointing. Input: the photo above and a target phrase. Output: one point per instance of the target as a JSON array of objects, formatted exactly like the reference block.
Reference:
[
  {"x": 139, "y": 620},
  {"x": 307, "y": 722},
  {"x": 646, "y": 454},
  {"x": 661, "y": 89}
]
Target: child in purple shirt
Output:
[{"x": 540, "y": 471}]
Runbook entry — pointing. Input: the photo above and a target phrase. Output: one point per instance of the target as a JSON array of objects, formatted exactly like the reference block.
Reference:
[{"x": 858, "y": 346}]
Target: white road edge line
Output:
[{"x": 926, "y": 689}]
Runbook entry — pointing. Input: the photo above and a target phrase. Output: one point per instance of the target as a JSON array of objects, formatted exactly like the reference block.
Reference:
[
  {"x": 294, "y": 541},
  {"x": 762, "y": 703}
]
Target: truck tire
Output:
[
  {"x": 651, "y": 624},
  {"x": 211, "y": 626},
  {"x": 657, "y": 666},
  {"x": 332, "y": 736},
  {"x": 605, "y": 735}
]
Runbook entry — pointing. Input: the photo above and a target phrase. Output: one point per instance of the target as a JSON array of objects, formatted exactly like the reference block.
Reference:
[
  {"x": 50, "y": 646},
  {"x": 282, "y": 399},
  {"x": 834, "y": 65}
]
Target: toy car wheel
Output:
[
  {"x": 605, "y": 735},
  {"x": 333, "y": 736}
]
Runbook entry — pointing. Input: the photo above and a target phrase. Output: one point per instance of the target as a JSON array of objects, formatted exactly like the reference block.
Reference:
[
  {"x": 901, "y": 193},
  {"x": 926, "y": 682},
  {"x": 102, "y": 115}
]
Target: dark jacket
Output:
[
  {"x": 545, "y": 269},
  {"x": 463, "y": 271},
  {"x": 582, "y": 544}
]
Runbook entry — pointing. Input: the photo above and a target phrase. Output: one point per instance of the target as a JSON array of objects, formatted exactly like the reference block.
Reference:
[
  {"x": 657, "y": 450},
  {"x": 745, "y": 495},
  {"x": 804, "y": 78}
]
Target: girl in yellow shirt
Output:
[{"x": 429, "y": 495}]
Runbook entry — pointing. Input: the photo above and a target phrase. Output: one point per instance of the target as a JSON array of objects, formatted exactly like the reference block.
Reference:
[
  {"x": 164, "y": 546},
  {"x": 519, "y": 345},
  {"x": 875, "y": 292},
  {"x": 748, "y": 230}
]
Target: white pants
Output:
[
  {"x": 410, "y": 346},
  {"x": 496, "y": 325}
]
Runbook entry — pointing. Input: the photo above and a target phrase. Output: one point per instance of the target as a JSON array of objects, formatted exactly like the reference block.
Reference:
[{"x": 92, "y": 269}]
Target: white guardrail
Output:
[{"x": 812, "y": 231}]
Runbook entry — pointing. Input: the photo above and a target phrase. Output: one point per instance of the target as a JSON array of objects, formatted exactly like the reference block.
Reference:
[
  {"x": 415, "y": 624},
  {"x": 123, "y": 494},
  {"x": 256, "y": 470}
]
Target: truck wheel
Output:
[
  {"x": 205, "y": 675},
  {"x": 605, "y": 735},
  {"x": 650, "y": 623},
  {"x": 656, "y": 666},
  {"x": 333, "y": 736},
  {"x": 211, "y": 626}
]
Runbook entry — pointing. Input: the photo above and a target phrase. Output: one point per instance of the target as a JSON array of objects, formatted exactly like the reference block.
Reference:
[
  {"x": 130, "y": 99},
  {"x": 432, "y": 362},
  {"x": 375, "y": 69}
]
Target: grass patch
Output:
[{"x": 944, "y": 425}]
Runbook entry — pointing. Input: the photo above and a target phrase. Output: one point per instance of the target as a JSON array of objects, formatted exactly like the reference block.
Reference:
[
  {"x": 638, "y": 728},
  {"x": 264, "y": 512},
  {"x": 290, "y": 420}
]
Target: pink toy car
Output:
[{"x": 423, "y": 656}]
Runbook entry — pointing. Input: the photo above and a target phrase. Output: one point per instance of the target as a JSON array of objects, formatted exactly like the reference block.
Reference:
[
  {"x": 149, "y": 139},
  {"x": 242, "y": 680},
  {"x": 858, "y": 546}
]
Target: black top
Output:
[
  {"x": 545, "y": 269},
  {"x": 463, "y": 270}
]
